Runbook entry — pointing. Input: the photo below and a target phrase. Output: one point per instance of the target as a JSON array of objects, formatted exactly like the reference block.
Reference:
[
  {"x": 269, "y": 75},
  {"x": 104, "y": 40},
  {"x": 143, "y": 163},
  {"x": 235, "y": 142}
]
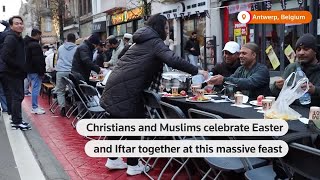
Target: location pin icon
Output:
[{"x": 243, "y": 16}]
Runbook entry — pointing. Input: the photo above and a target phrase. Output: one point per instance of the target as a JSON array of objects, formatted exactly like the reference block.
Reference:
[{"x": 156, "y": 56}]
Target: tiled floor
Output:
[{"x": 68, "y": 147}]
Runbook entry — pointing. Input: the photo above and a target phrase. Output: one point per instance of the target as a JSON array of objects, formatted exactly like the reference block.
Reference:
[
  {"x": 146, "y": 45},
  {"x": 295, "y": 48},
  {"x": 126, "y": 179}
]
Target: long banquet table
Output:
[{"x": 225, "y": 110}]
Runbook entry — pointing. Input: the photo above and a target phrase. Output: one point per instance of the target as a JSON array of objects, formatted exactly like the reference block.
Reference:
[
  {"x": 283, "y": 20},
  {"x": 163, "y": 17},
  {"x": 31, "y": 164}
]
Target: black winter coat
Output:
[
  {"x": 122, "y": 96},
  {"x": 82, "y": 60},
  {"x": 34, "y": 56},
  {"x": 13, "y": 58}
]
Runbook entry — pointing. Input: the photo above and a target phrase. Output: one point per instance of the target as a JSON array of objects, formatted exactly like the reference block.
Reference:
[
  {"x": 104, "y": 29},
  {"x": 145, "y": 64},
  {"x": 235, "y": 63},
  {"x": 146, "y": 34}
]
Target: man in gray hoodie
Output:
[{"x": 63, "y": 68}]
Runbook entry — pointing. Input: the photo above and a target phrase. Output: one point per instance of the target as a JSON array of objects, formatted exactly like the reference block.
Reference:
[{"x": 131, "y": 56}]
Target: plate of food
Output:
[
  {"x": 169, "y": 95},
  {"x": 198, "y": 99}
]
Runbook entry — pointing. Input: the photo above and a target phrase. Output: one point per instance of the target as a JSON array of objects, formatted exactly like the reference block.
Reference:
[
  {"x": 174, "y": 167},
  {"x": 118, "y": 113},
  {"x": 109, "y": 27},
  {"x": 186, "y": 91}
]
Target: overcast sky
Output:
[{"x": 12, "y": 7}]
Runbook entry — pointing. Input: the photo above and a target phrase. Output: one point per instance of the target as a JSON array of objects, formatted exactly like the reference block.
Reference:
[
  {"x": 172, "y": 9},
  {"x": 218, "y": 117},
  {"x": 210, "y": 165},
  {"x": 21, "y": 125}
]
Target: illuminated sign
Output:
[{"x": 127, "y": 16}]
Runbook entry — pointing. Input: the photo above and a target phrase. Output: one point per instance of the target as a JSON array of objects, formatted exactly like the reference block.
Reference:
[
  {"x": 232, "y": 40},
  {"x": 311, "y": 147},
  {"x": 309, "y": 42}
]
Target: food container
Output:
[{"x": 176, "y": 79}]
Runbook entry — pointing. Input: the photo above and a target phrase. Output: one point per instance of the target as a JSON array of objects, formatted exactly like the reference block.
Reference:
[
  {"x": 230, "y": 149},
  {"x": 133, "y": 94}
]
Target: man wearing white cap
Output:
[
  {"x": 230, "y": 60},
  {"x": 127, "y": 41}
]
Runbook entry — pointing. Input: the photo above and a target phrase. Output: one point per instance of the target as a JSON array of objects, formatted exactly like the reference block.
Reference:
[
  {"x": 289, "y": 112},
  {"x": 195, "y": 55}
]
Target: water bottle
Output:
[{"x": 305, "y": 98}]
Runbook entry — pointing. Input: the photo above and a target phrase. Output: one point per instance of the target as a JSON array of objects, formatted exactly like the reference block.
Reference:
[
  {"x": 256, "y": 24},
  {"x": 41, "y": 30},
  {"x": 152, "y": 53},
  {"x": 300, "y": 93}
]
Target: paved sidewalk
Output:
[{"x": 68, "y": 147}]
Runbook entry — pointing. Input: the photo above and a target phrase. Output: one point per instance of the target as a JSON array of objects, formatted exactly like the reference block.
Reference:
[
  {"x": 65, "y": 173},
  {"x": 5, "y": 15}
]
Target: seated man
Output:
[
  {"x": 306, "y": 55},
  {"x": 252, "y": 78},
  {"x": 230, "y": 62}
]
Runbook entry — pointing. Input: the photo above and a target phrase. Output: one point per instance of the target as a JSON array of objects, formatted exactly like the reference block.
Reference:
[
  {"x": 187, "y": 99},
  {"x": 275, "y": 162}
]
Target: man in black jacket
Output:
[
  {"x": 35, "y": 67},
  {"x": 82, "y": 63},
  {"x": 12, "y": 68},
  {"x": 193, "y": 49}
]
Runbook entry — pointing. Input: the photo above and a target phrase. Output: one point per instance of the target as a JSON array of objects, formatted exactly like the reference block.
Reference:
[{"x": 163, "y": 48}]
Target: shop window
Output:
[
  {"x": 48, "y": 24},
  {"x": 197, "y": 24},
  {"x": 129, "y": 27},
  {"x": 140, "y": 23}
]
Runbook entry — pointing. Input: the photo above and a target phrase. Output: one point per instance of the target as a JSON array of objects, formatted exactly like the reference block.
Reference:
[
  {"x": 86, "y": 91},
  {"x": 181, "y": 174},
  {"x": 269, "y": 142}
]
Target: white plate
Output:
[
  {"x": 176, "y": 97},
  {"x": 255, "y": 103},
  {"x": 189, "y": 100}
]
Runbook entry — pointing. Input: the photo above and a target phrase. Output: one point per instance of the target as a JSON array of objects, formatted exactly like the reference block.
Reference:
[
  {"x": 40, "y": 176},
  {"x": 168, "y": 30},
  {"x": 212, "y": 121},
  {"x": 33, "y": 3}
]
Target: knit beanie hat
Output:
[
  {"x": 307, "y": 40},
  {"x": 94, "y": 39}
]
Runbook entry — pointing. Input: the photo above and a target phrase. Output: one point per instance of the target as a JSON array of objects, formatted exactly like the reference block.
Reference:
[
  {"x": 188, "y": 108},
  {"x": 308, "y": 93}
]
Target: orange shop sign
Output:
[{"x": 127, "y": 16}]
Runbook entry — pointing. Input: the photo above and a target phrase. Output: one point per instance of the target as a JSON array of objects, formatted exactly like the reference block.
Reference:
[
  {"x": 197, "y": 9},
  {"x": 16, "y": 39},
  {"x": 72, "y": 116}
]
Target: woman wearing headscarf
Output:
[{"x": 140, "y": 68}]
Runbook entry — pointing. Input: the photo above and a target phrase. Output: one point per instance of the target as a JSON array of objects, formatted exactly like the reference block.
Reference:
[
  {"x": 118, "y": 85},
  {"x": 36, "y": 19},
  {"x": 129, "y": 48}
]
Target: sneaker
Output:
[
  {"x": 63, "y": 112},
  {"x": 116, "y": 164},
  {"x": 23, "y": 122},
  {"x": 21, "y": 127},
  {"x": 138, "y": 169},
  {"x": 37, "y": 111},
  {"x": 27, "y": 94}
]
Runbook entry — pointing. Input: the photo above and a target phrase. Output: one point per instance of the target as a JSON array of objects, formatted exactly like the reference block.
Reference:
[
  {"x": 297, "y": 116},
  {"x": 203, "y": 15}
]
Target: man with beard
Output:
[
  {"x": 252, "y": 78},
  {"x": 306, "y": 58}
]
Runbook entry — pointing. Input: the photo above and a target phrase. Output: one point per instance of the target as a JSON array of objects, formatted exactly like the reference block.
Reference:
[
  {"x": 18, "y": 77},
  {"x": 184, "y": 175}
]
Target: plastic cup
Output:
[
  {"x": 272, "y": 98},
  {"x": 175, "y": 90},
  {"x": 238, "y": 99},
  {"x": 266, "y": 104}
]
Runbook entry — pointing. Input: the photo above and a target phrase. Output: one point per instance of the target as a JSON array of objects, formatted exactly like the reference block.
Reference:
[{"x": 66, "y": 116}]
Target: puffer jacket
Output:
[
  {"x": 122, "y": 96},
  {"x": 34, "y": 56},
  {"x": 82, "y": 60},
  {"x": 13, "y": 59}
]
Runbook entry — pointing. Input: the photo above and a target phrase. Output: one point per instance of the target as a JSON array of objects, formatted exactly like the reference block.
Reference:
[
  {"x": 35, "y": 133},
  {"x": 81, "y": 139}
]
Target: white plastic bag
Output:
[{"x": 289, "y": 93}]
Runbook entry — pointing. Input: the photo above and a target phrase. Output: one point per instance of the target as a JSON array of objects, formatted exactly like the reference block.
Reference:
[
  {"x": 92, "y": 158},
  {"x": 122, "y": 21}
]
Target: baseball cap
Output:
[
  {"x": 127, "y": 35},
  {"x": 232, "y": 47}
]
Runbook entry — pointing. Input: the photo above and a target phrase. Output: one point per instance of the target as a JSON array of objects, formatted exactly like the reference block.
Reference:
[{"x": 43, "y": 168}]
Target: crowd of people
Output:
[{"x": 137, "y": 63}]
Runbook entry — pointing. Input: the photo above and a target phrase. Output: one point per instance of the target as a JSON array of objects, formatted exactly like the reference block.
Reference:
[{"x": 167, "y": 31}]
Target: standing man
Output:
[
  {"x": 193, "y": 49},
  {"x": 64, "y": 65},
  {"x": 12, "y": 67},
  {"x": 82, "y": 63},
  {"x": 35, "y": 67}
]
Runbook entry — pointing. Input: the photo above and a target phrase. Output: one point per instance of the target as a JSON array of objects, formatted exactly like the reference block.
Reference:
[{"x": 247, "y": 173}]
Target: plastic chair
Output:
[{"x": 173, "y": 112}]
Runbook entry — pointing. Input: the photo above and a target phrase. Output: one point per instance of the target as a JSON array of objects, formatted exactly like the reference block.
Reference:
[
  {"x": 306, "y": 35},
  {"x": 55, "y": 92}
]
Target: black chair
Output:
[
  {"x": 91, "y": 101},
  {"x": 152, "y": 103},
  {"x": 174, "y": 112},
  {"x": 198, "y": 114},
  {"x": 224, "y": 164},
  {"x": 303, "y": 160}
]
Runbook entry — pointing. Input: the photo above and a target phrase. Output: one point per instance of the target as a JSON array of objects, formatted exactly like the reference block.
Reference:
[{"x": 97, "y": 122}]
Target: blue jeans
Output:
[
  {"x": 3, "y": 99},
  {"x": 36, "y": 81}
]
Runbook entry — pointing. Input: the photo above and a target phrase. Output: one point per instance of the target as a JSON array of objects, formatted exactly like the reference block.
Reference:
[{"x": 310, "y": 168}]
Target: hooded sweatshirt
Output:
[{"x": 65, "y": 56}]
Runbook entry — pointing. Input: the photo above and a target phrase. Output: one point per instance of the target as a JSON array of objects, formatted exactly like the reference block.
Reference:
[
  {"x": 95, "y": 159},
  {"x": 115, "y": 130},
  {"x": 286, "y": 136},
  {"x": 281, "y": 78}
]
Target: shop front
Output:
[
  {"x": 276, "y": 41},
  {"x": 126, "y": 22},
  {"x": 85, "y": 29},
  {"x": 100, "y": 28}
]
